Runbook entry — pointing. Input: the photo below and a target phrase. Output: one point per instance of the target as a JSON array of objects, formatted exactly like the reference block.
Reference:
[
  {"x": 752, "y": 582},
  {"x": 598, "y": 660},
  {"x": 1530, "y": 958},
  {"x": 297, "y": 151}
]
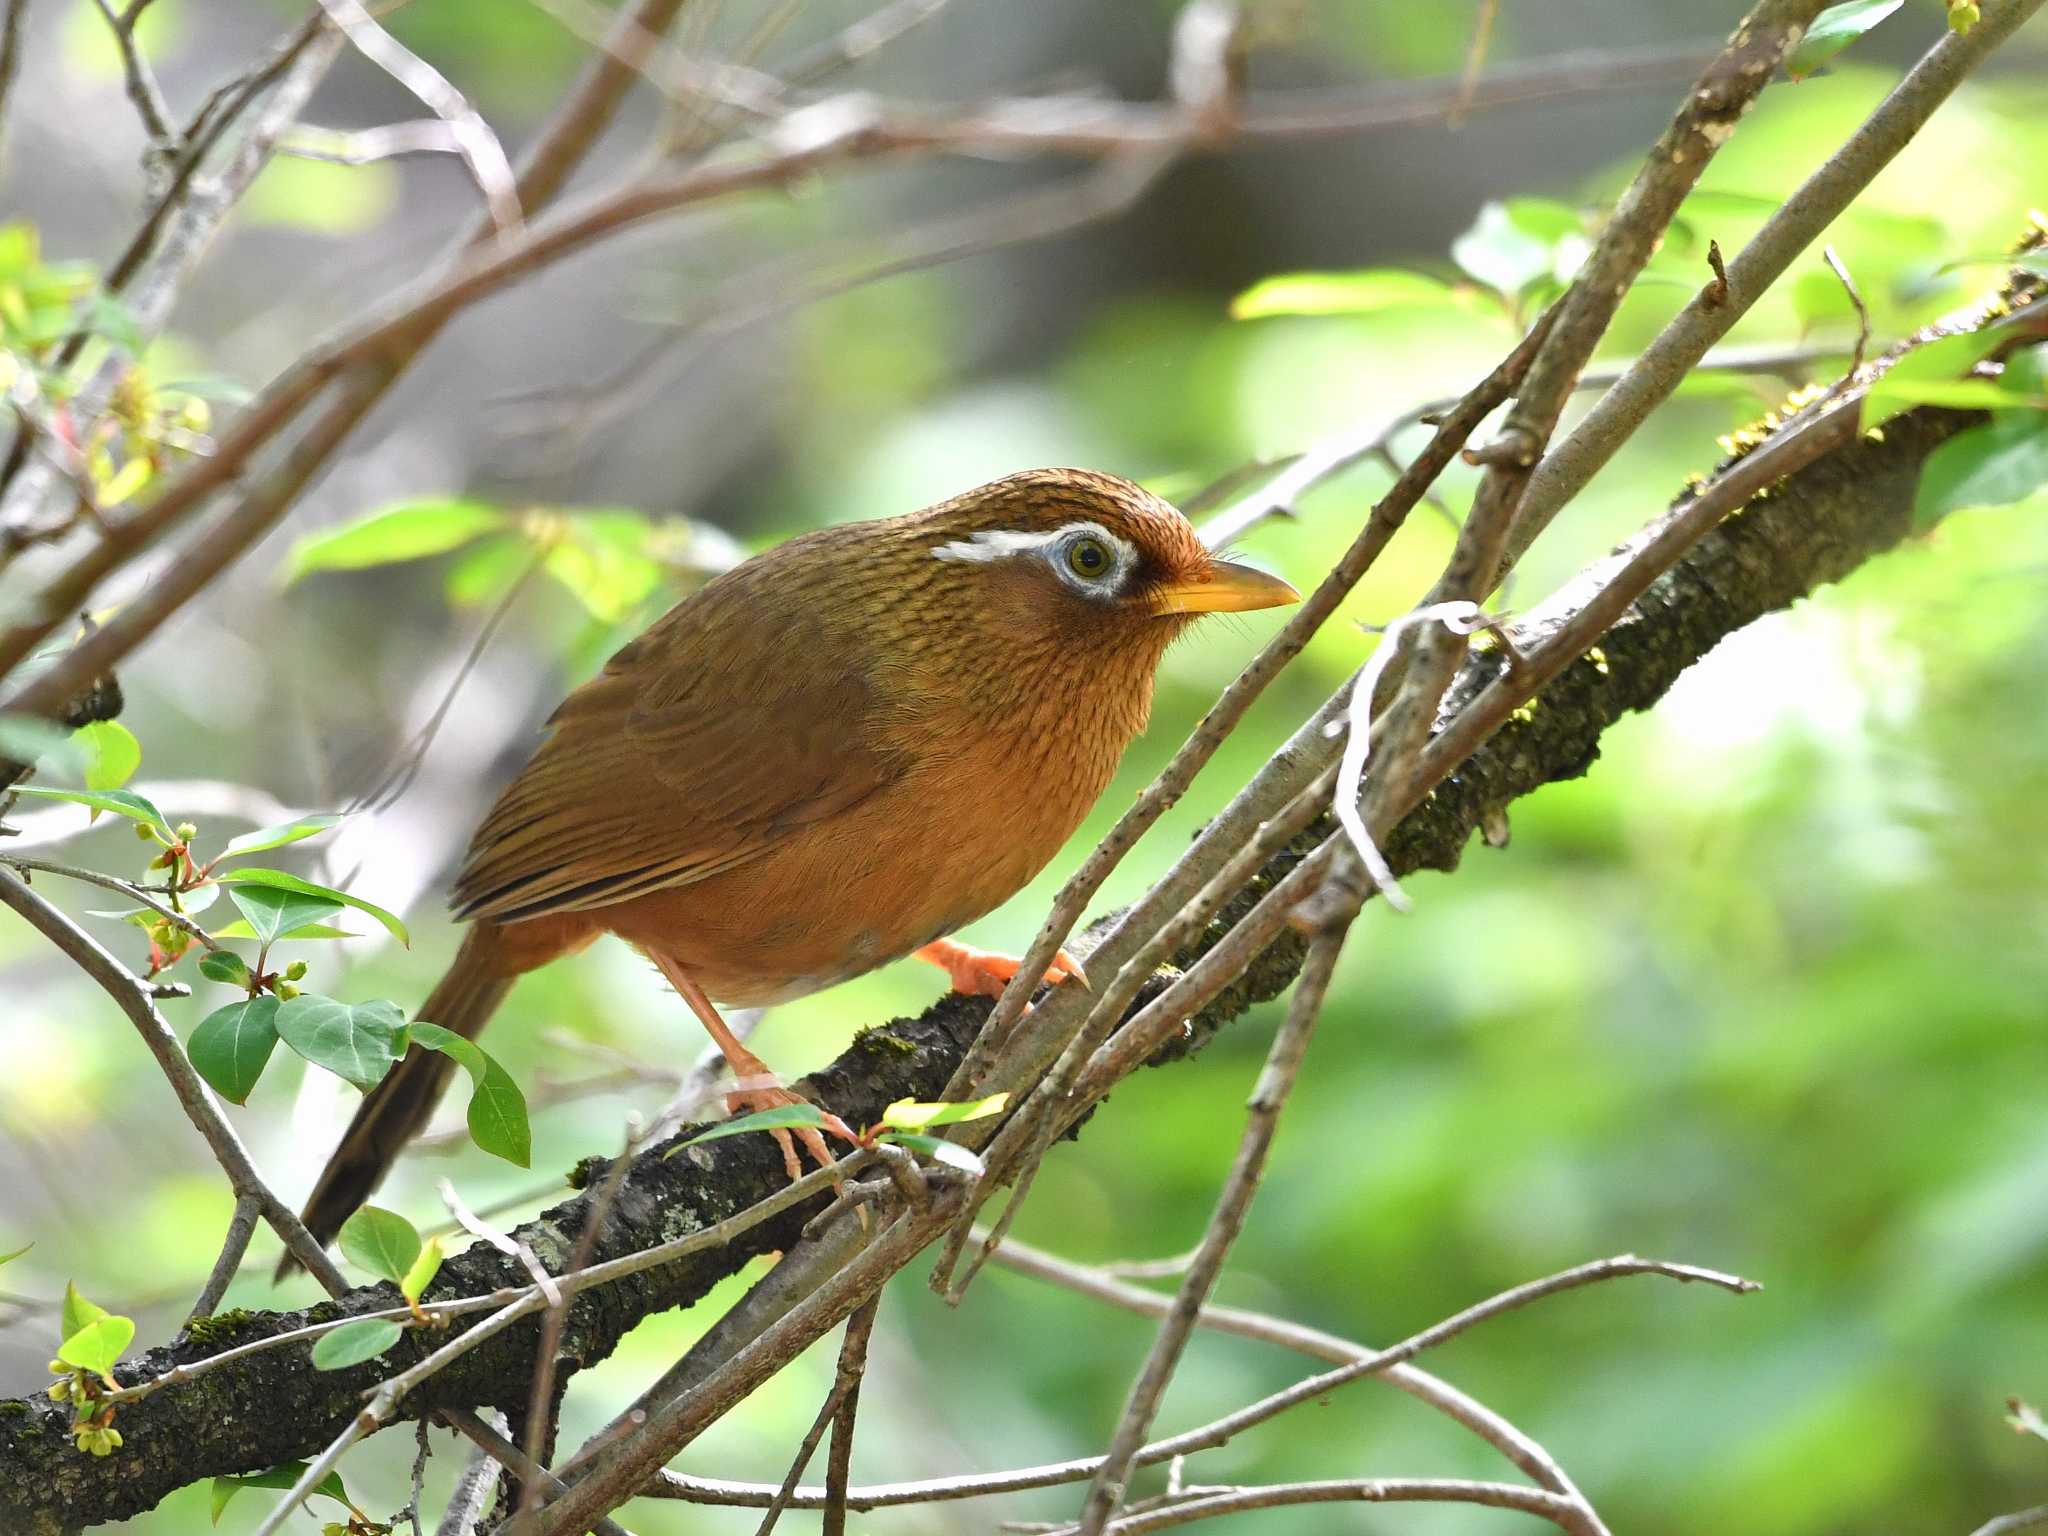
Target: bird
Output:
[{"x": 832, "y": 756}]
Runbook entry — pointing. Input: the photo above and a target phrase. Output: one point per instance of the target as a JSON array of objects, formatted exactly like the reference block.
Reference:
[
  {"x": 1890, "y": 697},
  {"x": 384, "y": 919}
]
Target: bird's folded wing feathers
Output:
[{"x": 701, "y": 744}]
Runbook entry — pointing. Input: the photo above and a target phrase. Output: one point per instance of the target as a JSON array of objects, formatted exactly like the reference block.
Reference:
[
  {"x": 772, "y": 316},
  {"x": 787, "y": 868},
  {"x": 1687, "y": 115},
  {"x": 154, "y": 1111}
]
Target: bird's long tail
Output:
[{"x": 395, "y": 1110}]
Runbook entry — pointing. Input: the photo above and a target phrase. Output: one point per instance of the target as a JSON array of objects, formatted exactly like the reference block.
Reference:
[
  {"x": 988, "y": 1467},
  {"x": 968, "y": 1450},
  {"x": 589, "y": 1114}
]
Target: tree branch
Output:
[{"x": 268, "y": 1408}]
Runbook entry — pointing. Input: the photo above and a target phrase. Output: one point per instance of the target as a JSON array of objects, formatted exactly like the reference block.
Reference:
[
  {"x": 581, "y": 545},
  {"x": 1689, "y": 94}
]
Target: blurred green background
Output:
[{"x": 1764, "y": 991}]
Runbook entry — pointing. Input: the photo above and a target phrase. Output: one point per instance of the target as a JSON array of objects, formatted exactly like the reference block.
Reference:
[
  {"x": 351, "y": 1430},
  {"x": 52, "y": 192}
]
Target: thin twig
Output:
[
  {"x": 480, "y": 149},
  {"x": 2018, "y": 1520},
  {"x": 131, "y": 995},
  {"x": 241, "y": 1227},
  {"x": 1262, "y": 1122},
  {"x": 1797, "y": 223},
  {"x": 10, "y": 57},
  {"x": 853, "y": 1353},
  {"x": 140, "y": 79}
]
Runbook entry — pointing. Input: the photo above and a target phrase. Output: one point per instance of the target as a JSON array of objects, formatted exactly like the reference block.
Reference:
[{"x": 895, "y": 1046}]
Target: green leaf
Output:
[
  {"x": 1956, "y": 394},
  {"x": 9, "y": 1258},
  {"x": 29, "y": 739},
  {"x": 409, "y": 531},
  {"x": 1833, "y": 30},
  {"x": 602, "y": 558},
  {"x": 486, "y": 573},
  {"x": 97, "y": 1345},
  {"x": 112, "y": 754},
  {"x": 119, "y": 801},
  {"x": 937, "y": 1148},
  {"x": 106, "y": 315},
  {"x": 239, "y": 929},
  {"x": 2026, "y": 374},
  {"x": 414, "y": 1282},
  {"x": 381, "y": 1241},
  {"x": 1942, "y": 361},
  {"x": 277, "y": 837},
  {"x": 353, "y": 1343},
  {"x": 497, "y": 1109},
  {"x": 909, "y": 1115},
  {"x": 271, "y": 913},
  {"x": 224, "y": 965},
  {"x": 78, "y": 1312},
  {"x": 782, "y": 1117},
  {"x": 2003, "y": 461},
  {"x": 286, "y": 1476},
  {"x": 1508, "y": 248},
  {"x": 277, "y": 879},
  {"x": 1344, "y": 293},
  {"x": 356, "y": 1041},
  {"x": 232, "y": 1045}
]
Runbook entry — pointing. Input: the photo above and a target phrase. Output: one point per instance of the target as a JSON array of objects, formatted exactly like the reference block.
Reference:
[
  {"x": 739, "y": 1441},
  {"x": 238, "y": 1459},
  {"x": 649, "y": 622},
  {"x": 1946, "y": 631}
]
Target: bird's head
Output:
[{"x": 1079, "y": 559}]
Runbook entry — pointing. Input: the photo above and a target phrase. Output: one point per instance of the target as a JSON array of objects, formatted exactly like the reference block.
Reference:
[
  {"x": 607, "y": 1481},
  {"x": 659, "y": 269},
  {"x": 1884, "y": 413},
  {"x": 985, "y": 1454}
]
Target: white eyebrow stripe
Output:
[{"x": 990, "y": 544}]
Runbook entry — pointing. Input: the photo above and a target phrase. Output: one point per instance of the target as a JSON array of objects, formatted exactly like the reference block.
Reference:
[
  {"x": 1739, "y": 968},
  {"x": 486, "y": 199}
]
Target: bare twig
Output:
[
  {"x": 853, "y": 1351},
  {"x": 1797, "y": 223},
  {"x": 814, "y": 139},
  {"x": 10, "y": 56},
  {"x": 362, "y": 146},
  {"x": 1393, "y": 1490},
  {"x": 1269, "y": 1098},
  {"x": 2018, "y": 1520},
  {"x": 132, "y": 997},
  {"x": 142, "y": 86},
  {"x": 1856, "y": 300},
  {"x": 241, "y": 1227},
  {"x": 1359, "y": 1364},
  {"x": 1475, "y": 56},
  {"x": 479, "y": 147}
]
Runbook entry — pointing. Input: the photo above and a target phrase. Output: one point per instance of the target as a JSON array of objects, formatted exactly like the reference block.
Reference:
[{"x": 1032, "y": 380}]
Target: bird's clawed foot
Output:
[
  {"x": 985, "y": 972},
  {"x": 756, "y": 1094}
]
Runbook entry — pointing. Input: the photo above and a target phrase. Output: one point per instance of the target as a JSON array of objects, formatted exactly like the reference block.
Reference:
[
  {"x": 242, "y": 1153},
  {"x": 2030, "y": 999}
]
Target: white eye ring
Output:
[{"x": 1059, "y": 549}]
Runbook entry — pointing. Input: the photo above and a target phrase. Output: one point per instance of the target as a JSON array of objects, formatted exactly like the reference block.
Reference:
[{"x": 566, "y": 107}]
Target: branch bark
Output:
[{"x": 272, "y": 1407}]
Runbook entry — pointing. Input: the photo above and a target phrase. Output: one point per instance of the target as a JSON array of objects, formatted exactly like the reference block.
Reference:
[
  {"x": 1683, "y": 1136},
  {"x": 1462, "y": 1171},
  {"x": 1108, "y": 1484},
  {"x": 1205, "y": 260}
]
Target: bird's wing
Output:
[{"x": 720, "y": 731}]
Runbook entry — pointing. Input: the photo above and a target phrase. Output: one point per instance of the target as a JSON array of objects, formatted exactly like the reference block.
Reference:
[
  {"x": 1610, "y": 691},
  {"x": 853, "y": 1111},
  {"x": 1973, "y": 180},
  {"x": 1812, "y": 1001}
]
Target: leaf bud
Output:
[{"x": 296, "y": 971}]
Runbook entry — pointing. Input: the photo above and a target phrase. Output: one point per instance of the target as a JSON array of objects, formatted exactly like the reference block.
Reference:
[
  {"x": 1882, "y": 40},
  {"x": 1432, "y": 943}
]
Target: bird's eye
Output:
[{"x": 1088, "y": 557}]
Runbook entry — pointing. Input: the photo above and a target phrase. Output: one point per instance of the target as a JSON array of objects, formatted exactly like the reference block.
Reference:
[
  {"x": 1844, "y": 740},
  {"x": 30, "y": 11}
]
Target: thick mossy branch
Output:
[{"x": 273, "y": 1407}]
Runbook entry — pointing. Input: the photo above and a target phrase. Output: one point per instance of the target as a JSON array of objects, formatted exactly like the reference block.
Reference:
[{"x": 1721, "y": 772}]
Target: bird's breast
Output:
[{"x": 975, "y": 815}]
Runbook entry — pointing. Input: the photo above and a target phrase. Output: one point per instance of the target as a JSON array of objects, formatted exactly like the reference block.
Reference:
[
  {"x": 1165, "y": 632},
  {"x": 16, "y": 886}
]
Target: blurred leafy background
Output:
[{"x": 1763, "y": 991}]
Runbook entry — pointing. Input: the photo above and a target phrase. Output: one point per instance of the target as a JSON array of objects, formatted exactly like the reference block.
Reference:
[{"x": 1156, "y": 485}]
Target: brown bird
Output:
[{"x": 830, "y": 757}]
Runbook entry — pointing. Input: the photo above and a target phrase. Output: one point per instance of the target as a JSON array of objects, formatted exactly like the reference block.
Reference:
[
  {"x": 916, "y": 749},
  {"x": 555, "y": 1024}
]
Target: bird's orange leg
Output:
[
  {"x": 985, "y": 972},
  {"x": 756, "y": 1086}
]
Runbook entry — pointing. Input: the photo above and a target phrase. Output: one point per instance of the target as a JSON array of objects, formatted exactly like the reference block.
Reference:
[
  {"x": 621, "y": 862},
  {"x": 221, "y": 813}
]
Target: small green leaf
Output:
[
  {"x": 2026, "y": 375},
  {"x": 224, "y": 965},
  {"x": 232, "y": 1045},
  {"x": 1994, "y": 465},
  {"x": 356, "y": 1041},
  {"x": 285, "y": 1476},
  {"x": 414, "y": 1282},
  {"x": 381, "y": 1241},
  {"x": 909, "y": 1115},
  {"x": 78, "y": 1312},
  {"x": 271, "y": 914},
  {"x": 410, "y": 531},
  {"x": 497, "y": 1109},
  {"x": 1343, "y": 293},
  {"x": 239, "y": 929},
  {"x": 782, "y": 1117},
  {"x": 9, "y": 1258},
  {"x": 1509, "y": 248},
  {"x": 1942, "y": 361},
  {"x": 277, "y": 837},
  {"x": 112, "y": 754},
  {"x": 97, "y": 1345},
  {"x": 277, "y": 879},
  {"x": 119, "y": 801},
  {"x": 107, "y": 316},
  {"x": 602, "y": 558},
  {"x": 937, "y": 1148},
  {"x": 1833, "y": 30},
  {"x": 353, "y": 1343}
]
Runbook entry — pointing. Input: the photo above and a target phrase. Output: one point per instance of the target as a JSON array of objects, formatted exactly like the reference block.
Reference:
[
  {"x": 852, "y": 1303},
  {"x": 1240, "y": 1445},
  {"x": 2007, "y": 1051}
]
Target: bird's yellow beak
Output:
[{"x": 1225, "y": 587}]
